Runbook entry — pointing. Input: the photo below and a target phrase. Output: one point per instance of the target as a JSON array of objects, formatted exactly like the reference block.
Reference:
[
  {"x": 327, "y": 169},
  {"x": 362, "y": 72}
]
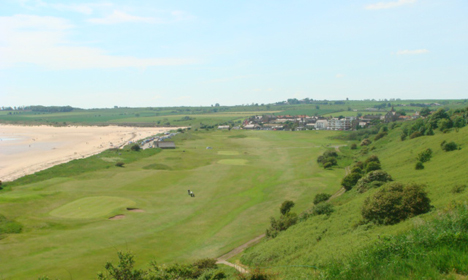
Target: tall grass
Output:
[{"x": 431, "y": 250}]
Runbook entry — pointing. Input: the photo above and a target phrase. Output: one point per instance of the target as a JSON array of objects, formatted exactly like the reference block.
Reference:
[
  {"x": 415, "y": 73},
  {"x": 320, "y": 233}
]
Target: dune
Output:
[{"x": 25, "y": 150}]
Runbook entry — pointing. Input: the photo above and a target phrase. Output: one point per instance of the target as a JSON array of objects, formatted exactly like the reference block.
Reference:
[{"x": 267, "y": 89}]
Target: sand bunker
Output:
[
  {"x": 91, "y": 207},
  {"x": 233, "y": 161},
  {"x": 135, "y": 210},
  {"x": 228, "y": 153},
  {"x": 117, "y": 217}
]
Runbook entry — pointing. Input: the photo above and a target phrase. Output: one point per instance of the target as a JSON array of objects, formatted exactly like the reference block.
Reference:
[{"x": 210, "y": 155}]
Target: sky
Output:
[{"x": 100, "y": 54}]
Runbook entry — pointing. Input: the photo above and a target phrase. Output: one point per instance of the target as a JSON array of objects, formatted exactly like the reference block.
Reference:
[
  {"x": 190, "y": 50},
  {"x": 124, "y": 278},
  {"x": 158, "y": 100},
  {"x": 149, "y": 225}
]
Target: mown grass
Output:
[{"x": 232, "y": 205}]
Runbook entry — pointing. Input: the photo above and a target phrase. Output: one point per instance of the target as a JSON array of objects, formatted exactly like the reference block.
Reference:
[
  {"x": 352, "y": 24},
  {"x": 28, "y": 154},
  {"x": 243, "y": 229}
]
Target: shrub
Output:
[
  {"x": 350, "y": 180},
  {"x": 429, "y": 131},
  {"x": 450, "y": 146},
  {"x": 320, "y": 197},
  {"x": 372, "y": 158},
  {"x": 380, "y": 135},
  {"x": 281, "y": 224},
  {"x": 373, "y": 179},
  {"x": 327, "y": 165},
  {"x": 419, "y": 165},
  {"x": 366, "y": 142},
  {"x": 323, "y": 209},
  {"x": 135, "y": 148},
  {"x": 356, "y": 169},
  {"x": 119, "y": 164},
  {"x": 415, "y": 135},
  {"x": 286, "y": 220},
  {"x": 425, "y": 155},
  {"x": 403, "y": 136},
  {"x": 372, "y": 166},
  {"x": 394, "y": 203},
  {"x": 458, "y": 188},
  {"x": 286, "y": 207},
  {"x": 353, "y": 146}
]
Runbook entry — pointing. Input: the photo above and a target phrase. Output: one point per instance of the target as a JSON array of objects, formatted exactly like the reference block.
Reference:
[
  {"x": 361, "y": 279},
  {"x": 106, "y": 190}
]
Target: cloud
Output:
[
  {"x": 405, "y": 52},
  {"x": 27, "y": 39},
  {"x": 340, "y": 75},
  {"x": 119, "y": 17},
  {"x": 388, "y": 5}
]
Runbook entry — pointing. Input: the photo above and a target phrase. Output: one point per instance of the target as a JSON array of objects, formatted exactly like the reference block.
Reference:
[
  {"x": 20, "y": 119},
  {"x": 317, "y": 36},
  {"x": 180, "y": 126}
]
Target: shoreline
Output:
[{"x": 35, "y": 148}]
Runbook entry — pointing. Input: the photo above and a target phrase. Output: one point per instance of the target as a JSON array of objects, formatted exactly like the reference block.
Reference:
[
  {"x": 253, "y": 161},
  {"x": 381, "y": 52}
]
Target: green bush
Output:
[
  {"x": 320, "y": 197},
  {"x": 394, "y": 203},
  {"x": 372, "y": 158},
  {"x": 135, "y": 148},
  {"x": 372, "y": 166},
  {"x": 450, "y": 146},
  {"x": 356, "y": 169},
  {"x": 425, "y": 155},
  {"x": 380, "y": 135},
  {"x": 119, "y": 164},
  {"x": 403, "y": 136},
  {"x": 327, "y": 165},
  {"x": 319, "y": 209},
  {"x": 419, "y": 165},
  {"x": 366, "y": 142},
  {"x": 373, "y": 179},
  {"x": 353, "y": 146},
  {"x": 286, "y": 207},
  {"x": 415, "y": 135},
  {"x": 350, "y": 180}
]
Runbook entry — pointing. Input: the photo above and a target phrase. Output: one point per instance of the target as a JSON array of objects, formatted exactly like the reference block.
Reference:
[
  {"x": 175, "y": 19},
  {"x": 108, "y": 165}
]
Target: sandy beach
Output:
[{"x": 25, "y": 150}]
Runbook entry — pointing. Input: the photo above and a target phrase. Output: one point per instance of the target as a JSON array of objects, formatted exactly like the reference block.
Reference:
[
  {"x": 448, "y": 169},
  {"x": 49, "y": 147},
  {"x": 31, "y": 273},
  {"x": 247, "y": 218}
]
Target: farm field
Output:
[{"x": 238, "y": 185}]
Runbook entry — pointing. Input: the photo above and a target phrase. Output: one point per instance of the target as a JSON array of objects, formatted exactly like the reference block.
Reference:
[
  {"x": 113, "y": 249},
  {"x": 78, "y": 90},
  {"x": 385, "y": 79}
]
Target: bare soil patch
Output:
[{"x": 117, "y": 217}]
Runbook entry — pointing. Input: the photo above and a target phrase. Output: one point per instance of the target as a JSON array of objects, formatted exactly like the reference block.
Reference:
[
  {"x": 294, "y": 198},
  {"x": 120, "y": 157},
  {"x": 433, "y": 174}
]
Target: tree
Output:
[
  {"x": 286, "y": 207},
  {"x": 451, "y": 146},
  {"x": 124, "y": 271},
  {"x": 425, "y": 112}
]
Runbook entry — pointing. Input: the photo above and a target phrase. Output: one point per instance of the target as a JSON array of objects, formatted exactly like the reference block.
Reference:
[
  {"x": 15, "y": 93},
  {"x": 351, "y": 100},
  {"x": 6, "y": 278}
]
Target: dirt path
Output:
[
  {"x": 342, "y": 190},
  {"x": 223, "y": 259}
]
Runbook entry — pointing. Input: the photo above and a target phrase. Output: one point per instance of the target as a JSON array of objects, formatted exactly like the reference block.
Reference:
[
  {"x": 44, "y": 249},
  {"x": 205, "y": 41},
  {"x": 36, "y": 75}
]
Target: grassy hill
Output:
[
  {"x": 238, "y": 184},
  {"x": 308, "y": 249}
]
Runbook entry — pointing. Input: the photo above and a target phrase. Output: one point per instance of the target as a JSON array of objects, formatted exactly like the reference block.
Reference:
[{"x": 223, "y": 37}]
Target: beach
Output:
[{"x": 25, "y": 150}]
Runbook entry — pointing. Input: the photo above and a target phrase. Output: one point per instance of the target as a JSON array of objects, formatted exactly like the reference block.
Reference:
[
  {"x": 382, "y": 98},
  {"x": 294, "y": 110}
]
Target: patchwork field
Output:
[{"x": 238, "y": 185}]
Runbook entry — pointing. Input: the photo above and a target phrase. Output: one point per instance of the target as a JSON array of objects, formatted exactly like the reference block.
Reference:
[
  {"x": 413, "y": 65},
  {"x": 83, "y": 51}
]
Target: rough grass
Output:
[
  {"x": 228, "y": 153},
  {"x": 232, "y": 205},
  {"x": 91, "y": 207},
  {"x": 320, "y": 240}
]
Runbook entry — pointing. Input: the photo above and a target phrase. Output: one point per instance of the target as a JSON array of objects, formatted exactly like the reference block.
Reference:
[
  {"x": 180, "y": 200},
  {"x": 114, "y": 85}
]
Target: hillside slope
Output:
[{"x": 299, "y": 252}]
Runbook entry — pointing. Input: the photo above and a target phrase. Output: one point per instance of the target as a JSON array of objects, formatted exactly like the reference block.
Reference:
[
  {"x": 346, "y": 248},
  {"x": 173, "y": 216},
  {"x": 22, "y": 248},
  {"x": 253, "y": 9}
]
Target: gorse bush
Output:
[
  {"x": 201, "y": 269},
  {"x": 366, "y": 142},
  {"x": 321, "y": 197},
  {"x": 450, "y": 146},
  {"x": 372, "y": 166},
  {"x": 419, "y": 165},
  {"x": 350, "y": 180},
  {"x": 394, "y": 203},
  {"x": 373, "y": 179},
  {"x": 286, "y": 220},
  {"x": 425, "y": 155}
]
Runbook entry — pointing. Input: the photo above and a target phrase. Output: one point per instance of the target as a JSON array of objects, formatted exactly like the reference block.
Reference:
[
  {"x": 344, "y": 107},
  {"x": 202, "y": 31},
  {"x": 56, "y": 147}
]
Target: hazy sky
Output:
[{"x": 163, "y": 53}]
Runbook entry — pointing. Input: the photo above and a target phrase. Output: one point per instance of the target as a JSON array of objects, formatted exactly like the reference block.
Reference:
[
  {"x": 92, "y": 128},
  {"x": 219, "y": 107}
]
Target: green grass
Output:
[
  {"x": 228, "y": 153},
  {"x": 91, "y": 207},
  {"x": 233, "y": 161},
  {"x": 233, "y": 203},
  {"x": 298, "y": 252}
]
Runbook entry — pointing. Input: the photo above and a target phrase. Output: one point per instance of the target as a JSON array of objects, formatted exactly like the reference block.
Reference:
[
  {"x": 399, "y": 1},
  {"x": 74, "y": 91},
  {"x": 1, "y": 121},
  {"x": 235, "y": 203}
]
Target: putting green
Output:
[
  {"x": 228, "y": 153},
  {"x": 233, "y": 161},
  {"x": 91, "y": 207}
]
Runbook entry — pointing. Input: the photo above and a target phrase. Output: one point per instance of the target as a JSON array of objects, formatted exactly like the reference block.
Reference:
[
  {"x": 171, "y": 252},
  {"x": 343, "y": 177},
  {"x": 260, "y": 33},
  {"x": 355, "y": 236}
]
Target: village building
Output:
[
  {"x": 321, "y": 124},
  {"x": 223, "y": 127}
]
